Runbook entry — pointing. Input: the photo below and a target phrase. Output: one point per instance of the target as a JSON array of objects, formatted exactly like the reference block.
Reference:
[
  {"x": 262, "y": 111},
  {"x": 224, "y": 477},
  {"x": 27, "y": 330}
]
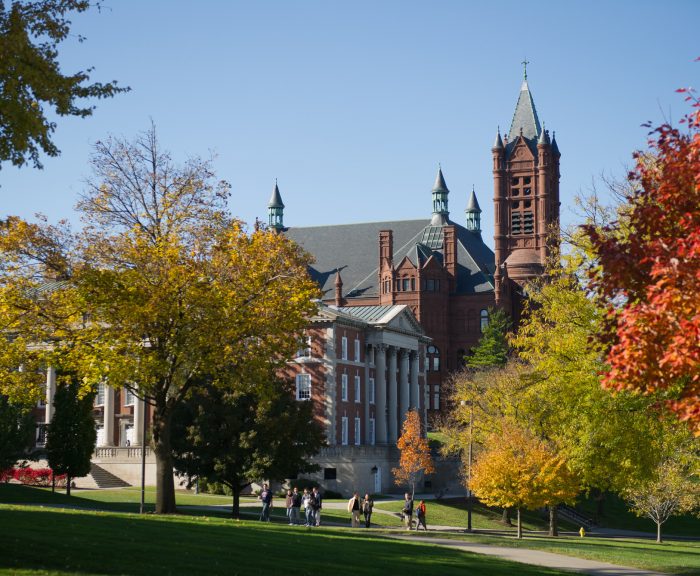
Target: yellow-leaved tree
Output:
[
  {"x": 415, "y": 457},
  {"x": 518, "y": 470},
  {"x": 161, "y": 286}
]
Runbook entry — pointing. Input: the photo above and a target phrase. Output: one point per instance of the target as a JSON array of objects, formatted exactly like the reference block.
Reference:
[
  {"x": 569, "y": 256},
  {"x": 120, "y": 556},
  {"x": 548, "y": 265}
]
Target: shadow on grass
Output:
[{"x": 70, "y": 541}]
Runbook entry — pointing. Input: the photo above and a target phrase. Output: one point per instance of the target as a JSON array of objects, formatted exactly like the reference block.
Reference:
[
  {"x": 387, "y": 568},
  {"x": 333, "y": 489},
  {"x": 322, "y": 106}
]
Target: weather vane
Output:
[{"x": 525, "y": 63}]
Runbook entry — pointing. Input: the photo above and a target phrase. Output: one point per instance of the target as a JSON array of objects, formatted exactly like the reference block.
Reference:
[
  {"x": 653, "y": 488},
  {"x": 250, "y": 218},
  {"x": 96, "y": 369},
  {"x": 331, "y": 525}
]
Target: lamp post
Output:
[{"x": 469, "y": 463}]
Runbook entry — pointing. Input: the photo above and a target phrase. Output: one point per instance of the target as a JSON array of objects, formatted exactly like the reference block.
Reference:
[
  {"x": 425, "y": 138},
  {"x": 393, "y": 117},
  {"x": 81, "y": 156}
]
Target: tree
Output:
[
  {"x": 162, "y": 286},
  {"x": 415, "y": 453},
  {"x": 492, "y": 349},
  {"x": 246, "y": 433},
  {"x": 71, "y": 434},
  {"x": 16, "y": 432},
  {"x": 31, "y": 79},
  {"x": 516, "y": 470},
  {"x": 648, "y": 274}
]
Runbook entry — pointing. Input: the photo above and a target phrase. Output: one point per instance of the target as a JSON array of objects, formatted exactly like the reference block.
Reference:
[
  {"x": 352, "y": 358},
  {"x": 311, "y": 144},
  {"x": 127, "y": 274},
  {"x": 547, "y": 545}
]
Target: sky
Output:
[{"x": 352, "y": 105}]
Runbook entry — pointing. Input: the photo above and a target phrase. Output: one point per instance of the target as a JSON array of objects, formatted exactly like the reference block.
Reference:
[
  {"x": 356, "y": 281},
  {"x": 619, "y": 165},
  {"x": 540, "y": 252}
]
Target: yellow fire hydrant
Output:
[{"x": 582, "y": 532}]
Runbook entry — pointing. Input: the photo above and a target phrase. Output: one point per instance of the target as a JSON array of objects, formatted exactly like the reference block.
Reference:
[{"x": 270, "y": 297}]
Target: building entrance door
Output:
[{"x": 378, "y": 481}]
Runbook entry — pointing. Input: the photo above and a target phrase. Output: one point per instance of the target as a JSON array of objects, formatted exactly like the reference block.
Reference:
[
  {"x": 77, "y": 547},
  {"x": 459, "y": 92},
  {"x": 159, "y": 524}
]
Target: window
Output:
[
  {"x": 413, "y": 284},
  {"x": 436, "y": 401},
  {"x": 370, "y": 392},
  {"x": 357, "y": 388},
  {"x": 344, "y": 387},
  {"x": 406, "y": 284},
  {"x": 371, "y": 355},
  {"x": 528, "y": 223},
  {"x": 40, "y": 434},
  {"x": 371, "y": 432},
  {"x": 344, "y": 430},
  {"x": 303, "y": 386},
  {"x": 344, "y": 348},
  {"x": 515, "y": 223},
  {"x": 358, "y": 429},
  {"x": 484, "y": 322},
  {"x": 433, "y": 360},
  {"x": 330, "y": 473},
  {"x": 305, "y": 350},
  {"x": 100, "y": 397},
  {"x": 357, "y": 350},
  {"x": 129, "y": 397}
]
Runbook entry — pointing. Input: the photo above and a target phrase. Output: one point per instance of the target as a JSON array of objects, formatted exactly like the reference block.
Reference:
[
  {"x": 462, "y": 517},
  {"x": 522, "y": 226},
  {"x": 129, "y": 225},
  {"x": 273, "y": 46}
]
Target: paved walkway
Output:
[{"x": 535, "y": 557}]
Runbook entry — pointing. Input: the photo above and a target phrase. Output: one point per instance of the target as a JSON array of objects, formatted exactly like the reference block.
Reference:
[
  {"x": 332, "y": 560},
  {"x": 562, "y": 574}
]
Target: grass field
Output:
[
  {"x": 670, "y": 557},
  {"x": 52, "y": 541},
  {"x": 453, "y": 512}
]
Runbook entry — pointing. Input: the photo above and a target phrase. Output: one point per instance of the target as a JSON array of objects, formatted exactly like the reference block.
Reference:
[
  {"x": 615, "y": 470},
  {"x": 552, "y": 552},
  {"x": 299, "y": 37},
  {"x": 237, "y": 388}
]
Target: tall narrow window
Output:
[
  {"x": 433, "y": 361},
  {"x": 344, "y": 348},
  {"x": 344, "y": 387},
  {"x": 357, "y": 350},
  {"x": 357, "y": 389},
  {"x": 358, "y": 431},
  {"x": 303, "y": 382},
  {"x": 304, "y": 351},
  {"x": 484, "y": 321},
  {"x": 344, "y": 430},
  {"x": 129, "y": 397},
  {"x": 100, "y": 397},
  {"x": 371, "y": 432},
  {"x": 436, "y": 401},
  {"x": 370, "y": 392}
]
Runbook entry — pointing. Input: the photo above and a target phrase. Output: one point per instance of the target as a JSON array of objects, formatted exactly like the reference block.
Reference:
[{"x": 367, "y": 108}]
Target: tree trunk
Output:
[
  {"x": 67, "y": 484},
  {"x": 520, "y": 526},
  {"x": 553, "y": 518},
  {"x": 165, "y": 485},
  {"x": 658, "y": 533},
  {"x": 236, "y": 509},
  {"x": 599, "y": 497},
  {"x": 506, "y": 517}
]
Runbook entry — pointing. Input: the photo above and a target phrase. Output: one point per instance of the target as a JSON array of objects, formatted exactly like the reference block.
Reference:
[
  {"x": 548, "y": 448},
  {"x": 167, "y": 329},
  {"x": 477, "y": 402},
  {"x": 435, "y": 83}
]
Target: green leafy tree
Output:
[
  {"x": 246, "y": 433},
  {"x": 71, "y": 433},
  {"x": 492, "y": 349},
  {"x": 16, "y": 432},
  {"x": 31, "y": 81}
]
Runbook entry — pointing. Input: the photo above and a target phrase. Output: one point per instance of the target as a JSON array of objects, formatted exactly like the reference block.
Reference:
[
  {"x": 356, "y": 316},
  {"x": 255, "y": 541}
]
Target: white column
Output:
[
  {"x": 366, "y": 396},
  {"x": 415, "y": 393},
  {"x": 138, "y": 421},
  {"x": 108, "y": 416},
  {"x": 50, "y": 391},
  {"x": 393, "y": 390},
  {"x": 403, "y": 386},
  {"x": 380, "y": 394}
]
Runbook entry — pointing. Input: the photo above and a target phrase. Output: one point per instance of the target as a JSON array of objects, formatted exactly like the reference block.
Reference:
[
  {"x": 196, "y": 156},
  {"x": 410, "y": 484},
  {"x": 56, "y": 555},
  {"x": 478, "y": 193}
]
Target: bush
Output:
[
  {"x": 205, "y": 486},
  {"x": 33, "y": 476}
]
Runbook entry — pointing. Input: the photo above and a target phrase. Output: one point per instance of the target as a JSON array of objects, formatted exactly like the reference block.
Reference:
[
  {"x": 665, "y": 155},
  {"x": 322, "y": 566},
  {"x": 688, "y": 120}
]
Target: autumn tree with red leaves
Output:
[
  {"x": 415, "y": 453},
  {"x": 648, "y": 272}
]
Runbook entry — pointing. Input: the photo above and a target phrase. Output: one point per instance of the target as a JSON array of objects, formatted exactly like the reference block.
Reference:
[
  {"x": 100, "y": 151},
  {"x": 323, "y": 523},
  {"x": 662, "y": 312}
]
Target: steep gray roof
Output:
[
  {"x": 440, "y": 181},
  {"x": 354, "y": 250},
  {"x": 473, "y": 204},
  {"x": 275, "y": 199},
  {"x": 525, "y": 117}
]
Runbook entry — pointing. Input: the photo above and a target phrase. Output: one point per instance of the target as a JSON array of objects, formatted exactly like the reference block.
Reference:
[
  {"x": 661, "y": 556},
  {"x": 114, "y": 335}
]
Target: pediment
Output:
[{"x": 405, "y": 321}]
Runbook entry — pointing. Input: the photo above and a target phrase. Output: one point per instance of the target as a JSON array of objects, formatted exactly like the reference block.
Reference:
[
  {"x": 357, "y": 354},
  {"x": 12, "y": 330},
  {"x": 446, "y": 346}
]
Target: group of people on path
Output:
[
  {"x": 407, "y": 513},
  {"x": 310, "y": 501},
  {"x": 357, "y": 507}
]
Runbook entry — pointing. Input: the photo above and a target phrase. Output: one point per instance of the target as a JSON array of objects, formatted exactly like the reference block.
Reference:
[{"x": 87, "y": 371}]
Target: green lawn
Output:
[
  {"x": 453, "y": 512},
  {"x": 670, "y": 557},
  {"x": 52, "y": 541},
  {"x": 617, "y": 515}
]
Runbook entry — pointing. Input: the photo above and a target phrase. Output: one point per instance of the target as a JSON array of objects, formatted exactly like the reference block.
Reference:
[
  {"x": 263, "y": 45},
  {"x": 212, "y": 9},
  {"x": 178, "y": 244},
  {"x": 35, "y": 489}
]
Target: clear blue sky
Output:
[{"x": 351, "y": 105}]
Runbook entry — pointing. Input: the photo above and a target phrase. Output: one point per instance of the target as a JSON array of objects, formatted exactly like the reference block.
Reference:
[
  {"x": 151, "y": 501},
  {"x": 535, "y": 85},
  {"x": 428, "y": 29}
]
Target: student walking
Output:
[
  {"x": 408, "y": 511},
  {"x": 266, "y": 499},
  {"x": 354, "y": 507},
  {"x": 420, "y": 515},
  {"x": 318, "y": 504},
  {"x": 308, "y": 509},
  {"x": 296, "y": 506},
  {"x": 367, "y": 505},
  {"x": 288, "y": 503}
]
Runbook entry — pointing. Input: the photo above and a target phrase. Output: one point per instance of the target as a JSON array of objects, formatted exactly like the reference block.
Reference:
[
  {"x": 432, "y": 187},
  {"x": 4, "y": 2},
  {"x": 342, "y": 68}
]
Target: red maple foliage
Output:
[{"x": 649, "y": 273}]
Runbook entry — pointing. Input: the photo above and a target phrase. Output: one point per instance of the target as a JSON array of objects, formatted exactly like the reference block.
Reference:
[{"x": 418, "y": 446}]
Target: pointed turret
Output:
[
  {"x": 555, "y": 148},
  {"x": 498, "y": 143},
  {"x": 473, "y": 212},
  {"x": 544, "y": 137},
  {"x": 441, "y": 214},
  {"x": 525, "y": 120},
  {"x": 338, "y": 288},
  {"x": 275, "y": 210}
]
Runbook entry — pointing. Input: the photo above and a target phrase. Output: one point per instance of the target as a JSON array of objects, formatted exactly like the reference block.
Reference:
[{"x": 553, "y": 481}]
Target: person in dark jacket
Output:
[
  {"x": 318, "y": 504},
  {"x": 296, "y": 506},
  {"x": 266, "y": 499},
  {"x": 408, "y": 511},
  {"x": 367, "y": 505}
]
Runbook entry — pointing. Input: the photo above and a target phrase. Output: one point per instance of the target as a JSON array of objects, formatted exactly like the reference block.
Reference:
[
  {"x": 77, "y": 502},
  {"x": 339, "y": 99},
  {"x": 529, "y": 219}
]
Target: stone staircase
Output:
[
  {"x": 105, "y": 479},
  {"x": 570, "y": 513}
]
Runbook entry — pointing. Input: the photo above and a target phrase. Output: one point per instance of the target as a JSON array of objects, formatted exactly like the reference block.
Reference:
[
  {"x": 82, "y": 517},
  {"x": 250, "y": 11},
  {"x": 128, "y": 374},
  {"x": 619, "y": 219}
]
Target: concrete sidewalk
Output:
[{"x": 534, "y": 557}]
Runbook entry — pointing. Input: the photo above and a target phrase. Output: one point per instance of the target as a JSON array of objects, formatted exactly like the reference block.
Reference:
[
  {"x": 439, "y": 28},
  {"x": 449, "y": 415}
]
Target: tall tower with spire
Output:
[
  {"x": 441, "y": 214},
  {"x": 526, "y": 197},
  {"x": 473, "y": 212},
  {"x": 275, "y": 210}
]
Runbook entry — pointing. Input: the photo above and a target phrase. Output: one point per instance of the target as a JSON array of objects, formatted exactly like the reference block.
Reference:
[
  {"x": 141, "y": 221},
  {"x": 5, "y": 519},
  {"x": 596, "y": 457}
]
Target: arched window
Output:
[
  {"x": 433, "y": 359},
  {"x": 484, "y": 322}
]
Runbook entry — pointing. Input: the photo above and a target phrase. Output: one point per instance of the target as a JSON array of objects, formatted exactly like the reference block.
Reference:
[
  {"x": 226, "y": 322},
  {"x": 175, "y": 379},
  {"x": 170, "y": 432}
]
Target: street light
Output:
[{"x": 469, "y": 463}]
